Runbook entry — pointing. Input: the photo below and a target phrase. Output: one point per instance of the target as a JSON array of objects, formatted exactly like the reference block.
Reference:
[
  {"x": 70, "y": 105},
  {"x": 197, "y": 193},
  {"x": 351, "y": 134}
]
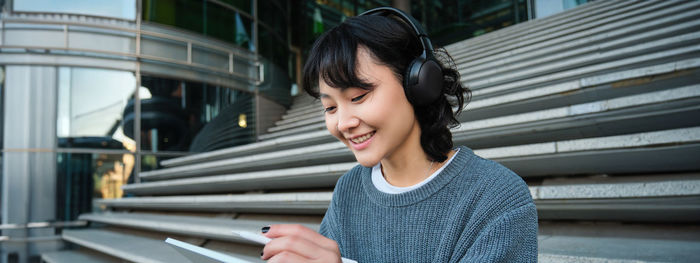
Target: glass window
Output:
[
  {"x": 91, "y": 104},
  {"x": 210, "y": 18},
  {"x": 449, "y": 21},
  {"x": 243, "y": 5},
  {"x": 274, "y": 15},
  {"x": 179, "y": 115},
  {"x": 124, "y": 9},
  {"x": 84, "y": 176},
  {"x": 544, "y": 8}
]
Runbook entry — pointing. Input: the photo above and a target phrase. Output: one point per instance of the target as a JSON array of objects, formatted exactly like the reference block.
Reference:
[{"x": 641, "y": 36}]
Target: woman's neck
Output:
[{"x": 409, "y": 164}]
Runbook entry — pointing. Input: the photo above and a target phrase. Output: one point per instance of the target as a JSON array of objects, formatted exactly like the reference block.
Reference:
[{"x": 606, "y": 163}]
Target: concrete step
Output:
[
  {"x": 135, "y": 246},
  {"x": 276, "y": 144},
  {"x": 629, "y": 153},
  {"x": 644, "y": 198},
  {"x": 78, "y": 255},
  {"x": 296, "y": 157},
  {"x": 218, "y": 228},
  {"x": 294, "y": 131},
  {"x": 304, "y": 108},
  {"x": 294, "y": 178},
  {"x": 314, "y": 203},
  {"x": 299, "y": 123},
  {"x": 311, "y": 115},
  {"x": 617, "y": 242},
  {"x": 313, "y": 112}
]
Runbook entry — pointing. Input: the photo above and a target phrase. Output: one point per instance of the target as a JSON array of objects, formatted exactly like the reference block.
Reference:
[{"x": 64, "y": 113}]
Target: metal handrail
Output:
[{"x": 232, "y": 52}]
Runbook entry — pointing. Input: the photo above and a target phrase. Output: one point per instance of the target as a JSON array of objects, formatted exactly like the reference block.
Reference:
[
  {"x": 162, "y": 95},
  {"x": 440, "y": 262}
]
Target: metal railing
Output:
[{"x": 235, "y": 56}]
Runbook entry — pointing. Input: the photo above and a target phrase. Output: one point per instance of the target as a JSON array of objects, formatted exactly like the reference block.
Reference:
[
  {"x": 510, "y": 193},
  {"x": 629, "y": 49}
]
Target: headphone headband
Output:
[
  {"x": 423, "y": 78},
  {"x": 417, "y": 28}
]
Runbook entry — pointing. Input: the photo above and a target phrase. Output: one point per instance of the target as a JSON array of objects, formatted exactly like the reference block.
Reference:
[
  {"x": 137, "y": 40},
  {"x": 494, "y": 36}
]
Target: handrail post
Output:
[{"x": 189, "y": 52}]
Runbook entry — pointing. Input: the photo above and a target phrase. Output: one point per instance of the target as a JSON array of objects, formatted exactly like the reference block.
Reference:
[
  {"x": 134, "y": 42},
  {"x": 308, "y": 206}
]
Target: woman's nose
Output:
[{"x": 347, "y": 121}]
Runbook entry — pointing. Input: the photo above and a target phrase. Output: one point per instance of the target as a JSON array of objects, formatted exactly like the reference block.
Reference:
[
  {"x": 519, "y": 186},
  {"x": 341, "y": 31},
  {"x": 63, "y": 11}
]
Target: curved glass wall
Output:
[
  {"x": 182, "y": 116},
  {"x": 233, "y": 21}
]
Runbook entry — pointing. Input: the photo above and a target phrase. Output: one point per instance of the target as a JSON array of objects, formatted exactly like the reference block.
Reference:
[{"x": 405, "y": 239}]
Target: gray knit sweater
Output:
[{"x": 474, "y": 211}]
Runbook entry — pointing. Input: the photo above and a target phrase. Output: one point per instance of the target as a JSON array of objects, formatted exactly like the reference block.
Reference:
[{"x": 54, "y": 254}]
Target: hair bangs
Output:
[{"x": 333, "y": 60}]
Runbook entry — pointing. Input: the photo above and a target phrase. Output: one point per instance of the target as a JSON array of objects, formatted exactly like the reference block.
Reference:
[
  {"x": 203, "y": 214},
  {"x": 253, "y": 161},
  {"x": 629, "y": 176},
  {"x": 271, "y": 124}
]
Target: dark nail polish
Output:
[
  {"x": 265, "y": 229},
  {"x": 261, "y": 253}
]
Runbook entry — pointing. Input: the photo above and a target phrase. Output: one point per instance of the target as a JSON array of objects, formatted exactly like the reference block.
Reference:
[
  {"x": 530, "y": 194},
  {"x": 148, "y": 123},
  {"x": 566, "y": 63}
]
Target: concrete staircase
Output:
[{"x": 597, "y": 108}]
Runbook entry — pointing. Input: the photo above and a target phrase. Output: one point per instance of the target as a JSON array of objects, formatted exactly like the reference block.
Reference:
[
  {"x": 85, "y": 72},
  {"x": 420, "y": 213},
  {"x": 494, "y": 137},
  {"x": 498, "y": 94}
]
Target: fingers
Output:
[
  {"x": 287, "y": 257},
  {"x": 292, "y": 244},
  {"x": 296, "y": 243},
  {"x": 306, "y": 233}
]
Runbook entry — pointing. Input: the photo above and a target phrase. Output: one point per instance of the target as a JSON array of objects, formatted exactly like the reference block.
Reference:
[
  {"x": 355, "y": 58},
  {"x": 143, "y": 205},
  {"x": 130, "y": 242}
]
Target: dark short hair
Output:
[{"x": 391, "y": 43}]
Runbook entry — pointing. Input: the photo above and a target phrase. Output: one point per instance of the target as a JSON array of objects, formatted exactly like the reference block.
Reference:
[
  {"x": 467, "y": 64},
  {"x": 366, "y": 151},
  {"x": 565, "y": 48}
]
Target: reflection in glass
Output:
[
  {"x": 218, "y": 19},
  {"x": 84, "y": 176},
  {"x": 90, "y": 107},
  {"x": 179, "y": 115},
  {"x": 124, "y": 9}
]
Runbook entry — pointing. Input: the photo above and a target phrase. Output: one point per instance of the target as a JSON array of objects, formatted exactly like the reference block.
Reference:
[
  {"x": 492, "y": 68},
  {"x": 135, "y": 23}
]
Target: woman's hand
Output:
[{"x": 296, "y": 243}]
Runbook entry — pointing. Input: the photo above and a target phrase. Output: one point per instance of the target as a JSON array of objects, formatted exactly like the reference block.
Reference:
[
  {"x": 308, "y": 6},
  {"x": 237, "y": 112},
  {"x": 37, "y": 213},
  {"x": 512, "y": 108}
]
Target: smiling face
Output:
[{"x": 377, "y": 123}]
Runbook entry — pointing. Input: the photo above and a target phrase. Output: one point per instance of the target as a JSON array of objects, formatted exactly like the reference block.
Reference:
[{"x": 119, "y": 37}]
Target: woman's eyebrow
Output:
[{"x": 324, "y": 96}]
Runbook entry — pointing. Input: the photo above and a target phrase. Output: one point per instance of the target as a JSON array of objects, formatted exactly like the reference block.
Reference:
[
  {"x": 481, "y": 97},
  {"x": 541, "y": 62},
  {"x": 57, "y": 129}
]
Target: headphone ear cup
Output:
[{"x": 423, "y": 82}]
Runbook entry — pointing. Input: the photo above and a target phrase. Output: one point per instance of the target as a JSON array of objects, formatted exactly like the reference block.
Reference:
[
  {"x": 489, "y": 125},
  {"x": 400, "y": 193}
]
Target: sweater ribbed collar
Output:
[{"x": 455, "y": 168}]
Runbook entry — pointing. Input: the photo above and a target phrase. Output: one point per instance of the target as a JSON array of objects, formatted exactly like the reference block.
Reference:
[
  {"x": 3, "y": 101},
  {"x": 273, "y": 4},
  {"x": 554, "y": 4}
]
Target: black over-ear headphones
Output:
[{"x": 423, "y": 79}]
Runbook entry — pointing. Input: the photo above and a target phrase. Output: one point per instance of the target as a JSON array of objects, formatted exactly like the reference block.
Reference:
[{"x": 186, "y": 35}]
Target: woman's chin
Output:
[{"x": 366, "y": 161}]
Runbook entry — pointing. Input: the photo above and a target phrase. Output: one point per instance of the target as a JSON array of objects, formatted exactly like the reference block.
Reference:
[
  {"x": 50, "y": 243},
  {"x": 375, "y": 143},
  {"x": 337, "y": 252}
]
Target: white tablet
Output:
[{"x": 198, "y": 254}]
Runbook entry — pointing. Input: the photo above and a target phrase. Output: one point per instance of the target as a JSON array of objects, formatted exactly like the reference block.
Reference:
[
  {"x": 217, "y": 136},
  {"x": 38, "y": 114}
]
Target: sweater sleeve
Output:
[
  {"x": 329, "y": 222},
  {"x": 511, "y": 237}
]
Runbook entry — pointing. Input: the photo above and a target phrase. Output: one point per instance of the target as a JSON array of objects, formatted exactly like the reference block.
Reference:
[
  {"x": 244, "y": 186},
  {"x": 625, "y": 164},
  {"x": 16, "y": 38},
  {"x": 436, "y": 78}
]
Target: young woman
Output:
[{"x": 414, "y": 197}]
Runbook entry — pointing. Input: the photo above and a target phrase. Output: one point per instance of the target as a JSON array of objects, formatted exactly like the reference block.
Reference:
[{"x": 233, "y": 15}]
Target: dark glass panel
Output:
[
  {"x": 84, "y": 176},
  {"x": 274, "y": 14},
  {"x": 243, "y": 5},
  {"x": 203, "y": 17},
  {"x": 449, "y": 21},
  {"x": 179, "y": 115},
  {"x": 185, "y": 14}
]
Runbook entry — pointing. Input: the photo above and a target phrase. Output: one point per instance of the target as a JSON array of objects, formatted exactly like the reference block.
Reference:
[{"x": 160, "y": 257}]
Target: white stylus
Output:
[{"x": 263, "y": 240}]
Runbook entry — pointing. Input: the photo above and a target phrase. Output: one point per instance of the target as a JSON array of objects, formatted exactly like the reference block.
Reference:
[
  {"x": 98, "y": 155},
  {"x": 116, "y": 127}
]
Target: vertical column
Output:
[{"x": 29, "y": 161}]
